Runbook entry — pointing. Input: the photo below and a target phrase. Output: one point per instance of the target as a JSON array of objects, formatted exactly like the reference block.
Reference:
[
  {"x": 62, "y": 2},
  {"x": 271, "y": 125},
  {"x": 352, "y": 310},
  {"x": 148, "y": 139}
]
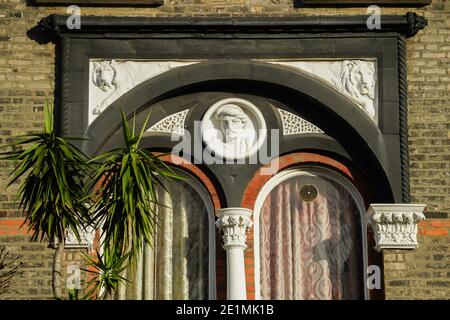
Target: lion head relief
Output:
[
  {"x": 358, "y": 80},
  {"x": 104, "y": 75}
]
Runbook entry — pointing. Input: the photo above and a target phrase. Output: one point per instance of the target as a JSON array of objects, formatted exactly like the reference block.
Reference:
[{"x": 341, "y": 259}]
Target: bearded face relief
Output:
[
  {"x": 230, "y": 128},
  {"x": 233, "y": 122}
]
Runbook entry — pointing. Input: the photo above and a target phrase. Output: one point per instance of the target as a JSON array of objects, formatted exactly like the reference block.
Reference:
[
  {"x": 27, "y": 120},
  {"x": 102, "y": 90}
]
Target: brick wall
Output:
[
  {"x": 429, "y": 110},
  {"x": 423, "y": 273},
  {"x": 33, "y": 280},
  {"x": 27, "y": 77}
]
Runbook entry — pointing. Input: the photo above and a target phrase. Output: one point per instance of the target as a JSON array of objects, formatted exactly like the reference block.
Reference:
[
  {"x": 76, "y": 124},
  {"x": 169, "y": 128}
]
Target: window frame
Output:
[
  {"x": 202, "y": 191},
  {"x": 281, "y": 177},
  {"x": 207, "y": 200}
]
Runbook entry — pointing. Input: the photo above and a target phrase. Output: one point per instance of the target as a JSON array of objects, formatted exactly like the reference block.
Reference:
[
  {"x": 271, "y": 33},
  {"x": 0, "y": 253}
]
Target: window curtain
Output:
[
  {"x": 310, "y": 249},
  {"x": 176, "y": 268}
]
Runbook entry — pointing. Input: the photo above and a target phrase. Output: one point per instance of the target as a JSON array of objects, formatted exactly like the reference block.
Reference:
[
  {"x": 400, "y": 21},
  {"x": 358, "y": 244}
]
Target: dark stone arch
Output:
[{"x": 361, "y": 140}]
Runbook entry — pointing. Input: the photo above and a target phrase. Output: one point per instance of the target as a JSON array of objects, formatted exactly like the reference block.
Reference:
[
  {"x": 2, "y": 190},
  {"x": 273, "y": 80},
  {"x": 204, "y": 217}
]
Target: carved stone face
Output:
[
  {"x": 104, "y": 76},
  {"x": 232, "y": 128},
  {"x": 232, "y": 121},
  {"x": 363, "y": 77}
]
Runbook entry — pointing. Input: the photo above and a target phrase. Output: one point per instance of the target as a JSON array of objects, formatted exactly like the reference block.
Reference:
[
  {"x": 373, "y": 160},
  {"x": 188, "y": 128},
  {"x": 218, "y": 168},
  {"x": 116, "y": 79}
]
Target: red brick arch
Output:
[
  {"x": 201, "y": 176},
  {"x": 298, "y": 158}
]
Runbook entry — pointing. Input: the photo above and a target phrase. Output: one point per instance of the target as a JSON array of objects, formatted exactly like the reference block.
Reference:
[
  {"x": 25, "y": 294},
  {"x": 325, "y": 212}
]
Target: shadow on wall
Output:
[{"x": 9, "y": 266}]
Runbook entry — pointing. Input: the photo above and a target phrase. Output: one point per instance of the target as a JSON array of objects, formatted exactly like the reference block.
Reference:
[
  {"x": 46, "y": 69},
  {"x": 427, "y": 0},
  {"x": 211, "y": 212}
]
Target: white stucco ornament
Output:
[
  {"x": 233, "y": 128},
  {"x": 293, "y": 124},
  {"x": 234, "y": 223},
  {"x": 172, "y": 124},
  {"x": 356, "y": 79},
  {"x": 395, "y": 225},
  {"x": 110, "y": 79},
  {"x": 87, "y": 237}
]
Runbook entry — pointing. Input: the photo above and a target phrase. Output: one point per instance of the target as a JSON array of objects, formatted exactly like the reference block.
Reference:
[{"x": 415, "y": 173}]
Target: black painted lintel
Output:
[{"x": 407, "y": 25}]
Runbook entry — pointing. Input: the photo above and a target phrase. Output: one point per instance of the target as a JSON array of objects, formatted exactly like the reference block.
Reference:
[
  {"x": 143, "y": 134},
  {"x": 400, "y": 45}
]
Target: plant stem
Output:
[{"x": 56, "y": 272}]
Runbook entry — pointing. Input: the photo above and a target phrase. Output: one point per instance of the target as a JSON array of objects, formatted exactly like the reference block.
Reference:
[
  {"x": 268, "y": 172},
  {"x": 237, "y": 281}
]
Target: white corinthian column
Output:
[{"x": 234, "y": 223}]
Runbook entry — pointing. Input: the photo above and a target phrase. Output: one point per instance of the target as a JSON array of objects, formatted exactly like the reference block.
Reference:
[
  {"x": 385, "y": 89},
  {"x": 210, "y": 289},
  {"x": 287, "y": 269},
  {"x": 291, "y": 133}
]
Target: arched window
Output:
[
  {"x": 181, "y": 265},
  {"x": 310, "y": 237}
]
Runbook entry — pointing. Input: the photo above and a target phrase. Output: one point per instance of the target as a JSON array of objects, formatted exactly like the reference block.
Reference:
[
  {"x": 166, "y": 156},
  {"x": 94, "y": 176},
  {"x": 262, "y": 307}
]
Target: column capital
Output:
[
  {"x": 234, "y": 223},
  {"x": 395, "y": 225}
]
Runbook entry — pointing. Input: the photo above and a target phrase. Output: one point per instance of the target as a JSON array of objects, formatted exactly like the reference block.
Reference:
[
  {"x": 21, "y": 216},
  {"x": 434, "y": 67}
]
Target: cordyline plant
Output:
[
  {"x": 53, "y": 197},
  {"x": 52, "y": 190},
  {"x": 124, "y": 203},
  {"x": 124, "y": 206}
]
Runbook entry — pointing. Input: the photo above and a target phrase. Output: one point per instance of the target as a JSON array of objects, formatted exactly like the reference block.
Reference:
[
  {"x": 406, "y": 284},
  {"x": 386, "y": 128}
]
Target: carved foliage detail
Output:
[
  {"x": 234, "y": 228},
  {"x": 395, "y": 229}
]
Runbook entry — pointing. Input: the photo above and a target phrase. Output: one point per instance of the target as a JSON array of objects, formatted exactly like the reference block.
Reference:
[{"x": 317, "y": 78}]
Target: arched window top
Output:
[{"x": 311, "y": 173}]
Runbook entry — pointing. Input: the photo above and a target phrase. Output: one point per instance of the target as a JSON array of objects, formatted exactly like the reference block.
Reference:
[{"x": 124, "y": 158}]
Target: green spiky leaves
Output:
[
  {"x": 107, "y": 270},
  {"x": 52, "y": 189},
  {"x": 125, "y": 202}
]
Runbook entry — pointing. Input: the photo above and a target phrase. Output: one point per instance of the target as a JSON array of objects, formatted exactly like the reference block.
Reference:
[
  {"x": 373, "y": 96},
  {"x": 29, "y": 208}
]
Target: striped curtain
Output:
[
  {"x": 177, "y": 267},
  {"x": 310, "y": 249}
]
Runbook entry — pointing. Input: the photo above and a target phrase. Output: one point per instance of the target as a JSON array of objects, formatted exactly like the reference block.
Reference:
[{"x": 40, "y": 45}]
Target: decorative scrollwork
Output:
[
  {"x": 293, "y": 124},
  {"x": 171, "y": 124},
  {"x": 87, "y": 237}
]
